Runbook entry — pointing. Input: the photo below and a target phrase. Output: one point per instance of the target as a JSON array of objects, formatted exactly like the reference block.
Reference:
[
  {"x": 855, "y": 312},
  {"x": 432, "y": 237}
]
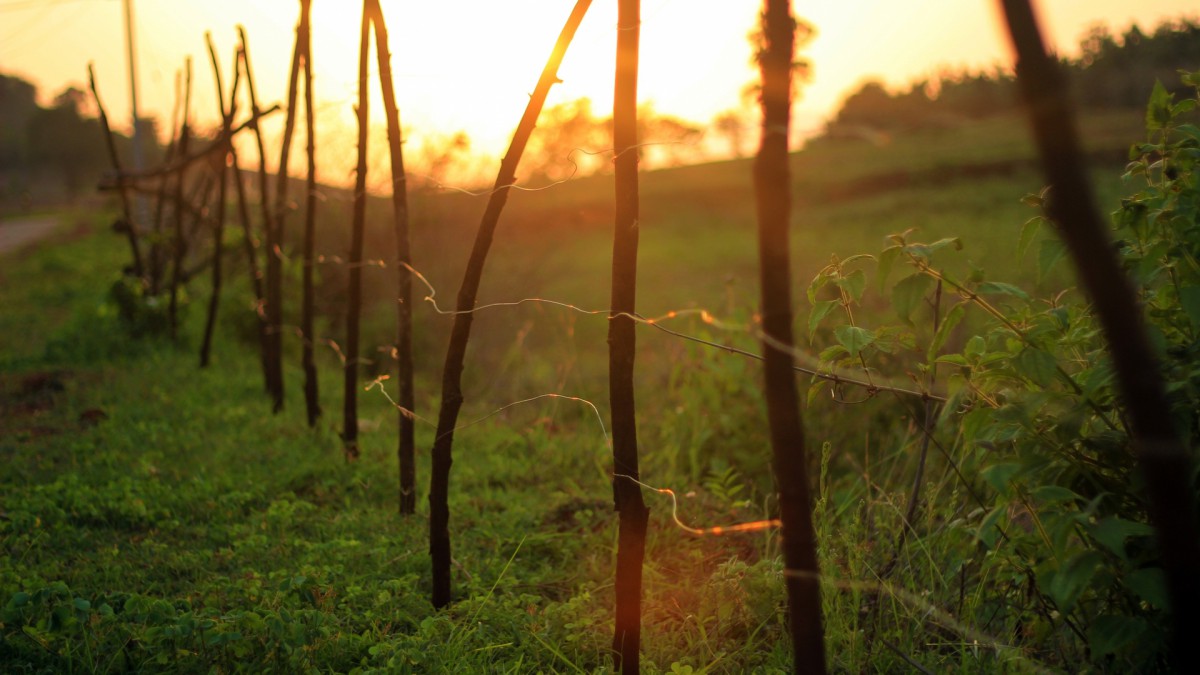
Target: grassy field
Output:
[{"x": 156, "y": 517}]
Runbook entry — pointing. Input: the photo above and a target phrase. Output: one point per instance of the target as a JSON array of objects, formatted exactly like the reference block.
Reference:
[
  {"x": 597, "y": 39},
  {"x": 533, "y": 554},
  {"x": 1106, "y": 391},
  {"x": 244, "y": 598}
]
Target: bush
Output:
[{"x": 1032, "y": 421}]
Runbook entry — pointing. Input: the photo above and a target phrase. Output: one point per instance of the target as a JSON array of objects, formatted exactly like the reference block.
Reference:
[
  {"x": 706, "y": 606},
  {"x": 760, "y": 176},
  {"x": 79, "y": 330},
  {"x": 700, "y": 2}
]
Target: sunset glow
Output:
[{"x": 469, "y": 66}]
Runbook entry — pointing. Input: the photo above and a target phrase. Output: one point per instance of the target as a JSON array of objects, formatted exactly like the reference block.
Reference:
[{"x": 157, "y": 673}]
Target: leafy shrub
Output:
[
  {"x": 142, "y": 314},
  {"x": 1032, "y": 420}
]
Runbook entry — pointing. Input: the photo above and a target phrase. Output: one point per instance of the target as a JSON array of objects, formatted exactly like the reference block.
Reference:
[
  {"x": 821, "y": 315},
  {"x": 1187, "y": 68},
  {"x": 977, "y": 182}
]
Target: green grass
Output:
[{"x": 155, "y": 517}]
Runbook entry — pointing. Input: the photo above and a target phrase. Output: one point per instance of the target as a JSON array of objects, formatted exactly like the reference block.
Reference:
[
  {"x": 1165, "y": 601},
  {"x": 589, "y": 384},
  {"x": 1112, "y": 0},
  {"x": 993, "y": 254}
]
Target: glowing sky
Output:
[{"x": 469, "y": 64}]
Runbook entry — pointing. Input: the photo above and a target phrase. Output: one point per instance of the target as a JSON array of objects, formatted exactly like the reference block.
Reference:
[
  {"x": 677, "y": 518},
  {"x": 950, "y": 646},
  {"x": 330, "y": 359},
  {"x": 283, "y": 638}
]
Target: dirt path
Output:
[{"x": 18, "y": 232}]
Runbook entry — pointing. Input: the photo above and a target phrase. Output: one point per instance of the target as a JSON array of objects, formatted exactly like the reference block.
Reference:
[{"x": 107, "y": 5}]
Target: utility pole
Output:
[
  {"x": 138, "y": 163},
  {"x": 141, "y": 208}
]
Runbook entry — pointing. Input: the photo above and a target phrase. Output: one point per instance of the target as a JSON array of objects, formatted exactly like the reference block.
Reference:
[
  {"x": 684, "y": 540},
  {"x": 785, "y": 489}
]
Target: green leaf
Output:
[
  {"x": 1050, "y": 252},
  {"x": 1068, "y": 582},
  {"x": 831, "y": 352},
  {"x": 1035, "y": 200},
  {"x": 1158, "y": 112},
  {"x": 1053, "y": 494},
  {"x": 1112, "y": 533},
  {"x": 945, "y": 328},
  {"x": 815, "y": 390},
  {"x": 1000, "y": 475},
  {"x": 1190, "y": 130},
  {"x": 1189, "y": 299},
  {"x": 853, "y": 338},
  {"x": 953, "y": 359},
  {"x": 943, "y": 243},
  {"x": 988, "y": 532},
  {"x": 819, "y": 312},
  {"x": 1150, "y": 584},
  {"x": 976, "y": 346},
  {"x": 817, "y": 284},
  {"x": 854, "y": 284},
  {"x": 1001, "y": 288},
  {"x": 1028, "y": 231},
  {"x": 908, "y": 293},
  {"x": 886, "y": 260},
  {"x": 1037, "y": 365},
  {"x": 1109, "y": 633}
]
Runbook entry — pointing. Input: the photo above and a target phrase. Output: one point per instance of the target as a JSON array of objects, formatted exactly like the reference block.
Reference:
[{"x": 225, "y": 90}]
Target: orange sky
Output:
[{"x": 469, "y": 64}]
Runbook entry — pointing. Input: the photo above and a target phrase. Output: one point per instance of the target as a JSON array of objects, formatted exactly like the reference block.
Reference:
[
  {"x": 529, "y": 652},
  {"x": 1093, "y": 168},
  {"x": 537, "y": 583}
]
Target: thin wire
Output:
[
  {"x": 752, "y": 526},
  {"x": 872, "y": 388},
  {"x": 908, "y": 597}
]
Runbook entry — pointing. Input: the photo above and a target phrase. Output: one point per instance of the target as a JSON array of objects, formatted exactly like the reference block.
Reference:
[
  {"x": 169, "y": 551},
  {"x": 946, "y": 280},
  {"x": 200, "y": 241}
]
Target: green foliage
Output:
[
  {"x": 1033, "y": 421},
  {"x": 143, "y": 315}
]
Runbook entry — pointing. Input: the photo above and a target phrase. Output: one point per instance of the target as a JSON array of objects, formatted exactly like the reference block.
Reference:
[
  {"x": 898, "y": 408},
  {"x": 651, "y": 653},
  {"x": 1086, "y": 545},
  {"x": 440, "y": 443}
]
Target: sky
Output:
[{"x": 468, "y": 65}]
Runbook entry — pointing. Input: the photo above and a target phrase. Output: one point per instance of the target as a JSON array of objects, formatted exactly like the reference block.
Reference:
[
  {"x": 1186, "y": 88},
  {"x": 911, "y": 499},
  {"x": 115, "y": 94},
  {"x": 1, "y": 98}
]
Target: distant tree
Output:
[
  {"x": 730, "y": 125},
  {"x": 440, "y": 158},
  {"x": 574, "y": 142},
  {"x": 571, "y": 142},
  {"x": 63, "y": 141},
  {"x": 1120, "y": 71},
  {"x": 666, "y": 140},
  {"x": 975, "y": 95},
  {"x": 18, "y": 104},
  {"x": 1111, "y": 72}
]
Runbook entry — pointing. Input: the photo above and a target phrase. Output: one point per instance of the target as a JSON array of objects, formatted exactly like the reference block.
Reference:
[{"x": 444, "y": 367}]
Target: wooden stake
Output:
[
  {"x": 406, "y": 447},
  {"x": 308, "y": 362},
  {"x": 126, "y": 211},
  {"x": 219, "y": 230},
  {"x": 273, "y": 354},
  {"x": 622, "y": 346},
  {"x": 350, "y": 381},
  {"x": 452, "y": 397},
  {"x": 178, "y": 244},
  {"x": 773, "y": 201}
]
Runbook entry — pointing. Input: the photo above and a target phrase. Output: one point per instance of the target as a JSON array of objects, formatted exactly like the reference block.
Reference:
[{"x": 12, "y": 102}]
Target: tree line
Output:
[
  {"x": 56, "y": 148},
  {"x": 1111, "y": 72}
]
